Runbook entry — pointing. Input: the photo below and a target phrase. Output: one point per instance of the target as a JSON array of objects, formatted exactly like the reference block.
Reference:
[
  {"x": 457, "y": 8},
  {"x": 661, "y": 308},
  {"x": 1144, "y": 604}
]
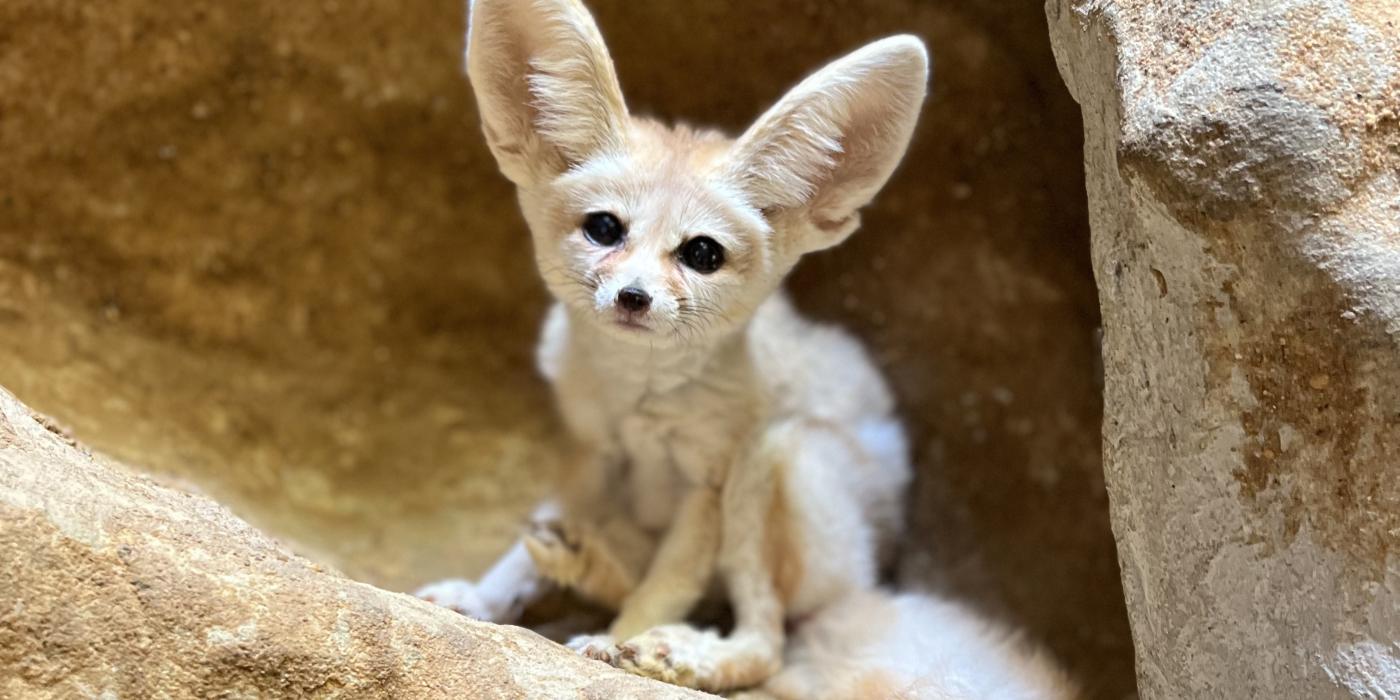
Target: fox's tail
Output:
[{"x": 874, "y": 645}]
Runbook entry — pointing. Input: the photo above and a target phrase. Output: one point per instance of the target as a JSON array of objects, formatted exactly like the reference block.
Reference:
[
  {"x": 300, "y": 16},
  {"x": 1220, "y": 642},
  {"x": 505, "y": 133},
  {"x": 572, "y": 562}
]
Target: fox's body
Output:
[
  {"x": 716, "y": 435},
  {"x": 675, "y": 422}
]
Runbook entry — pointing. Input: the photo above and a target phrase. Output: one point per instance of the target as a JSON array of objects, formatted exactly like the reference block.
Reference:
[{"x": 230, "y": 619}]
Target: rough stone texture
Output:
[
  {"x": 261, "y": 247},
  {"x": 1244, "y": 186},
  {"x": 115, "y": 586}
]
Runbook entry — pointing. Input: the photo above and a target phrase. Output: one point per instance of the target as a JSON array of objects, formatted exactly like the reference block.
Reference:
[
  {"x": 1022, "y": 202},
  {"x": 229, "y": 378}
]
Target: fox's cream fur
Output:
[{"x": 716, "y": 433}]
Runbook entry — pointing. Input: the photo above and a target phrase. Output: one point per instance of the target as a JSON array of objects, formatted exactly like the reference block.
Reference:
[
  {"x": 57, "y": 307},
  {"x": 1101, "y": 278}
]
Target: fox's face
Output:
[
  {"x": 651, "y": 242},
  {"x": 672, "y": 236}
]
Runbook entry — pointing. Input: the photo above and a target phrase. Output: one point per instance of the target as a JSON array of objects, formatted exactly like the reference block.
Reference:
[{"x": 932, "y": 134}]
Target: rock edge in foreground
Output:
[{"x": 116, "y": 586}]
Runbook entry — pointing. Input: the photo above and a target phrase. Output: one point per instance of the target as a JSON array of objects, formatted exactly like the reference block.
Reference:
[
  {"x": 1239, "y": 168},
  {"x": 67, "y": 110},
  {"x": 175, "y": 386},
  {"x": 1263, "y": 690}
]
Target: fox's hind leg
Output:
[{"x": 601, "y": 563}]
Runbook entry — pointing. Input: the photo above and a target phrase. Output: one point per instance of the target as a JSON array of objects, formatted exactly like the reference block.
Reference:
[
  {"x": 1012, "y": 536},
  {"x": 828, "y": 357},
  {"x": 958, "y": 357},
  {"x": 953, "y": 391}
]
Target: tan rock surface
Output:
[
  {"x": 115, "y": 586},
  {"x": 261, "y": 247},
  {"x": 1244, "y": 182}
]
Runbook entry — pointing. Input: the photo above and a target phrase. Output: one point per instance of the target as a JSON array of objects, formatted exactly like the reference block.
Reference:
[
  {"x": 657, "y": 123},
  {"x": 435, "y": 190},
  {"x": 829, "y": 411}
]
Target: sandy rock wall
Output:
[
  {"x": 1244, "y": 189},
  {"x": 114, "y": 586},
  {"x": 261, "y": 247}
]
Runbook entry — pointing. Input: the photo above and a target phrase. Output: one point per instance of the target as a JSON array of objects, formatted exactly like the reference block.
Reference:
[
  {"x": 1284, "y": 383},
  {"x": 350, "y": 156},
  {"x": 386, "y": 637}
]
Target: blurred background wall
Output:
[{"x": 260, "y": 248}]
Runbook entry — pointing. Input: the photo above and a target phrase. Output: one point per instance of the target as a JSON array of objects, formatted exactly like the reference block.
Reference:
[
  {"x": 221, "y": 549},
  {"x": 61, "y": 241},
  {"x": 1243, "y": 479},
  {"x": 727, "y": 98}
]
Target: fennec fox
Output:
[{"x": 714, "y": 430}]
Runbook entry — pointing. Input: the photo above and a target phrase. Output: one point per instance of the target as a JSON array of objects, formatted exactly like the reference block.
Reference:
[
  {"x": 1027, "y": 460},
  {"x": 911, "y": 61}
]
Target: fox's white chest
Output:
[
  {"x": 672, "y": 444},
  {"x": 654, "y": 471},
  {"x": 670, "y": 430}
]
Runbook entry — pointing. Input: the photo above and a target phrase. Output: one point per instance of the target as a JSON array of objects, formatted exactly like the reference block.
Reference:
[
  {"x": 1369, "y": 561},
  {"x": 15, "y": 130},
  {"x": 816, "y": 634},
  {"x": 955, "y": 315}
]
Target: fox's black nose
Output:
[{"x": 633, "y": 299}]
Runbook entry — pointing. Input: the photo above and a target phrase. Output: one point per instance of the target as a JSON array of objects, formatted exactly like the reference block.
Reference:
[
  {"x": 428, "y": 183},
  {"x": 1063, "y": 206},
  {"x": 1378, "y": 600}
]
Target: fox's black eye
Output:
[
  {"x": 702, "y": 254},
  {"x": 603, "y": 228}
]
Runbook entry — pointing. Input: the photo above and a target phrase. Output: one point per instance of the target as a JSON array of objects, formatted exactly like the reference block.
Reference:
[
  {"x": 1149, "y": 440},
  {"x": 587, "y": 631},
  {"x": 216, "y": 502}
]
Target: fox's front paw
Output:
[
  {"x": 461, "y": 596},
  {"x": 598, "y": 647},
  {"x": 557, "y": 550},
  {"x": 676, "y": 654}
]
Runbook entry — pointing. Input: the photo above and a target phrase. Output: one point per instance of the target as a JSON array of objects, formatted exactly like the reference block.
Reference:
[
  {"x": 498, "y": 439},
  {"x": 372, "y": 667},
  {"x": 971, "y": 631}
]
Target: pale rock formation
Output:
[{"x": 1244, "y": 183}]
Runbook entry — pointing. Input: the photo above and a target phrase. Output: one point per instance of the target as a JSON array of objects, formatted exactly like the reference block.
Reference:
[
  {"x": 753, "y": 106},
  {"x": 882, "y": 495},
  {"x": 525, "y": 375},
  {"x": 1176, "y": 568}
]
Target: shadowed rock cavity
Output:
[{"x": 260, "y": 249}]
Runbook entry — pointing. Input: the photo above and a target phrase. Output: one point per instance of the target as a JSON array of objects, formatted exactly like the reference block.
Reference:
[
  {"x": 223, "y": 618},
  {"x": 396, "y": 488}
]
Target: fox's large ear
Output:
[
  {"x": 830, "y": 144},
  {"x": 545, "y": 86}
]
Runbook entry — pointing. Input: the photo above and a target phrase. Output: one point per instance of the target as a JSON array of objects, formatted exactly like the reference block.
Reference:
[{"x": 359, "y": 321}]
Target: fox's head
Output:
[{"x": 670, "y": 235}]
